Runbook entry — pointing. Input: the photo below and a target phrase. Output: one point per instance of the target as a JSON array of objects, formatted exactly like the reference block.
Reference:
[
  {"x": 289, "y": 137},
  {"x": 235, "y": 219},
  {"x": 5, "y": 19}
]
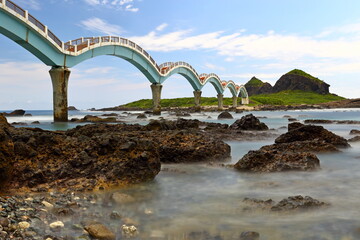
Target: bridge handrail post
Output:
[
  {"x": 3, "y": 2},
  {"x": 46, "y": 30},
  {"x": 99, "y": 40},
  {"x": 26, "y": 14},
  {"x": 88, "y": 42}
]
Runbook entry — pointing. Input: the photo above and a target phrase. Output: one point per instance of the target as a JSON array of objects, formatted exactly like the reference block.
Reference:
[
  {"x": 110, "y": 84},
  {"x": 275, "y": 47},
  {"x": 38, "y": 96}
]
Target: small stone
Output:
[
  {"x": 115, "y": 215},
  {"x": 249, "y": 236},
  {"x": 47, "y": 205},
  {"x": 99, "y": 231},
  {"x": 129, "y": 231},
  {"x": 24, "y": 225},
  {"x": 122, "y": 198},
  {"x": 29, "y": 199},
  {"x": 225, "y": 115},
  {"x": 4, "y": 222},
  {"x": 56, "y": 225}
]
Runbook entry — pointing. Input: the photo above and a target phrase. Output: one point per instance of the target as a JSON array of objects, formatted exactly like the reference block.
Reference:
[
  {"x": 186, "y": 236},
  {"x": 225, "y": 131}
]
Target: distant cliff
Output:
[
  {"x": 293, "y": 80},
  {"x": 255, "y": 86}
]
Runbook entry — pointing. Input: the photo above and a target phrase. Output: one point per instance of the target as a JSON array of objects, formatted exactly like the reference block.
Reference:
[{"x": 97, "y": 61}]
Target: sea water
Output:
[{"x": 199, "y": 200}]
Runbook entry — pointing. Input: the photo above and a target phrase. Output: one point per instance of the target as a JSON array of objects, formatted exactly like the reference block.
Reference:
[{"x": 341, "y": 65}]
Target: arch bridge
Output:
[{"x": 23, "y": 28}]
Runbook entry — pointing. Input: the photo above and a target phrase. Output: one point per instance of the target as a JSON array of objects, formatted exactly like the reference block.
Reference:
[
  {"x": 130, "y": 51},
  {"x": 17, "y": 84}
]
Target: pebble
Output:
[
  {"x": 56, "y": 225},
  {"x": 24, "y": 225},
  {"x": 47, "y": 205},
  {"x": 129, "y": 231}
]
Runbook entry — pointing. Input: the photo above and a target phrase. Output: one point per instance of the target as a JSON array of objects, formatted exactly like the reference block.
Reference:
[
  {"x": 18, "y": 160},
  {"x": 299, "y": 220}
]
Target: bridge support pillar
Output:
[
  {"x": 220, "y": 102},
  {"x": 156, "y": 95},
  {"x": 197, "y": 98},
  {"x": 60, "y": 78},
  {"x": 234, "y": 101},
  {"x": 244, "y": 101}
]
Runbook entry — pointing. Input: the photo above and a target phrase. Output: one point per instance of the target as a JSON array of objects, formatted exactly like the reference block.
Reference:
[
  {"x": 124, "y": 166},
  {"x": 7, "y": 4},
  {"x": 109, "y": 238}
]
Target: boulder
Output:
[
  {"x": 15, "y": 113},
  {"x": 298, "y": 203},
  {"x": 6, "y": 151},
  {"x": 72, "y": 108},
  {"x": 275, "y": 161},
  {"x": 309, "y": 133},
  {"x": 302, "y": 146},
  {"x": 248, "y": 122},
  {"x": 294, "y": 125},
  {"x": 100, "y": 231},
  {"x": 354, "y": 139},
  {"x": 355, "y": 132},
  {"x": 141, "y": 116},
  {"x": 225, "y": 115}
]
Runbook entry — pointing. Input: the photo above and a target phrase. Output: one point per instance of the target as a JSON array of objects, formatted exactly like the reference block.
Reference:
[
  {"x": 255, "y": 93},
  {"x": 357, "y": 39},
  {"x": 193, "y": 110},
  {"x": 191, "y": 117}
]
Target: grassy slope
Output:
[
  {"x": 254, "y": 82},
  {"x": 304, "y": 74},
  {"x": 282, "y": 98}
]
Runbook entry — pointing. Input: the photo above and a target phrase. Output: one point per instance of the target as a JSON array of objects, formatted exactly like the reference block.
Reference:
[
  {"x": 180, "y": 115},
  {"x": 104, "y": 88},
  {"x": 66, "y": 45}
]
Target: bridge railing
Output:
[{"x": 23, "y": 13}]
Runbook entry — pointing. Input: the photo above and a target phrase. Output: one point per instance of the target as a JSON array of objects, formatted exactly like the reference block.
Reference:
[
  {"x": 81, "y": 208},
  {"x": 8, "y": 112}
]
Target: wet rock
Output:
[
  {"x": 324, "y": 121},
  {"x": 294, "y": 125},
  {"x": 302, "y": 146},
  {"x": 141, "y": 116},
  {"x": 35, "y": 122},
  {"x": 183, "y": 114},
  {"x": 311, "y": 132},
  {"x": 298, "y": 203},
  {"x": 56, "y": 226},
  {"x": 248, "y": 122},
  {"x": 72, "y": 108},
  {"x": 129, "y": 231},
  {"x": 96, "y": 119},
  {"x": 110, "y": 115},
  {"x": 15, "y": 113},
  {"x": 122, "y": 198},
  {"x": 19, "y": 124},
  {"x": 6, "y": 151},
  {"x": 354, "y": 139},
  {"x": 100, "y": 231},
  {"x": 239, "y": 111},
  {"x": 225, "y": 115},
  {"x": 355, "y": 132},
  {"x": 287, "y": 204},
  {"x": 275, "y": 161},
  {"x": 27, "y": 115},
  {"x": 249, "y": 236},
  {"x": 292, "y": 119}
]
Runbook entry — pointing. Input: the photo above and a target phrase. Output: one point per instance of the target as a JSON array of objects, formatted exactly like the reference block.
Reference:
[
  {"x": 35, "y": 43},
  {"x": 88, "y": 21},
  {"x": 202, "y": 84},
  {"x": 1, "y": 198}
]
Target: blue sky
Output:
[{"x": 236, "y": 39}]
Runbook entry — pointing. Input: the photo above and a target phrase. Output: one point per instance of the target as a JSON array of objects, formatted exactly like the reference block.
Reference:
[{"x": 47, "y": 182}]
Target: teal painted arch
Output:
[
  {"x": 216, "y": 83},
  {"x": 21, "y": 32},
  {"x": 128, "y": 54},
  {"x": 187, "y": 73},
  {"x": 243, "y": 92},
  {"x": 232, "y": 87}
]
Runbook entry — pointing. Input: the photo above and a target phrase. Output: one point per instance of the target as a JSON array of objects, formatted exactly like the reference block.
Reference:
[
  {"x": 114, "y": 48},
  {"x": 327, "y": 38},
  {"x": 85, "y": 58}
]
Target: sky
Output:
[{"x": 236, "y": 39}]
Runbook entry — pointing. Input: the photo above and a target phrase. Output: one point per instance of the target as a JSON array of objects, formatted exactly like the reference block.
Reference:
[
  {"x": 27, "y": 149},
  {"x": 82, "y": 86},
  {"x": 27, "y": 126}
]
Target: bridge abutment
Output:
[
  {"x": 156, "y": 95},
  {"x": 60, "y": 78},
  {"x": 220, "y": 102},
  {"x": 197, "y": 98},
  {"x": 234, "y": 101}
]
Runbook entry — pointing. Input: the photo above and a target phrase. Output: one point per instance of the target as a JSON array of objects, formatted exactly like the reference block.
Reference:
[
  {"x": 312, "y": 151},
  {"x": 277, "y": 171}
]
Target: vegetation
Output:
[
  {"x": 254, "y": 82},
  {"x": 288, "y": 97},
  {"x": 304, "y": 74},
  {"x": 293, "y": 97}
]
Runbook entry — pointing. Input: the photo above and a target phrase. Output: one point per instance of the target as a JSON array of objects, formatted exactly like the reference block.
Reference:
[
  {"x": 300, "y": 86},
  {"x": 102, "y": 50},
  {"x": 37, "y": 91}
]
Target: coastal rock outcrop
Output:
[
  {"x": 310, "y": 133},
  {"x": 249, "y": 122},
  {"x": 15, "y": 113},
  {"x": 255, "y": 86},
  {"x": 225, "y": 115},
  {"x": 275, "y": 161},
  {"x": 6, "y": 151}
]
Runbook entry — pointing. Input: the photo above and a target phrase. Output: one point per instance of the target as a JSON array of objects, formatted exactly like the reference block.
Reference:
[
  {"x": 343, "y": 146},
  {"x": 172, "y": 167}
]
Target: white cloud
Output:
[
  {"x": 125, "y": 5},
  {"x": 161, "y": 27},
  {"x": 101, "y": 26}
]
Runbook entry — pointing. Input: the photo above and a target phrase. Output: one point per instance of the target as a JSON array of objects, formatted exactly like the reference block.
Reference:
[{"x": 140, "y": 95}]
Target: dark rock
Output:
[
  {"x": 311, "y": 132},
  {"x": 35, "y": 122},
  {"x": 354, "y": 132},
  {"x": 318, "y": 121},
  {"x": 238, "y": 111},
  {"x": 183, "y": 114},
  {"x": 295, "y": 125},
  {"x": 110, "y": 115},
  {"x": 298, "y": 203},
  {"x": 354, "y": 139},
  {"x": 225, "y": 115},
  {"x": 255, "y": 86},
  {"x": 95, "y": 119},
  {"x": 28, "y": 115},
  {"x": 292, "y": 119},
  {"x": 249, "y": 236},
  {"x": 72, "y": 108},
  {"x": 15, "y": 113},
  {"x": 100, "y": 231},
  {"x": 275, "y": 161},
  {"x": 302, "y": 146},
  {"x": 248, "y": 122},
  {"x": 19, "y": 124},
  {"x": 6, "y": 151},
  {"x": 141, "y": 116}
]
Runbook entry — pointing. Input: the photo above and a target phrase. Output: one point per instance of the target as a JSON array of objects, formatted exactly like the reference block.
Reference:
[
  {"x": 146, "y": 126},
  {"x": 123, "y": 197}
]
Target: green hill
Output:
[
  {"x": 288, "y": 97},
  {"x": 254, "y": 82},
  {"x": 304, "y": 74}
]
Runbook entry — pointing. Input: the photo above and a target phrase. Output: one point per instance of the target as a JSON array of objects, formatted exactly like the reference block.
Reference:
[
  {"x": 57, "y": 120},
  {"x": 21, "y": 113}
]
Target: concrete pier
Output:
[
  {"x": 244, "y": 101},
  {"x": 220, "y": 102},
  {"x": 197, "y": 98},
  {"x": 156, "y": 95},
  {"x": 60, "y": 77},
  {"x": 234, "y": 101}
]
